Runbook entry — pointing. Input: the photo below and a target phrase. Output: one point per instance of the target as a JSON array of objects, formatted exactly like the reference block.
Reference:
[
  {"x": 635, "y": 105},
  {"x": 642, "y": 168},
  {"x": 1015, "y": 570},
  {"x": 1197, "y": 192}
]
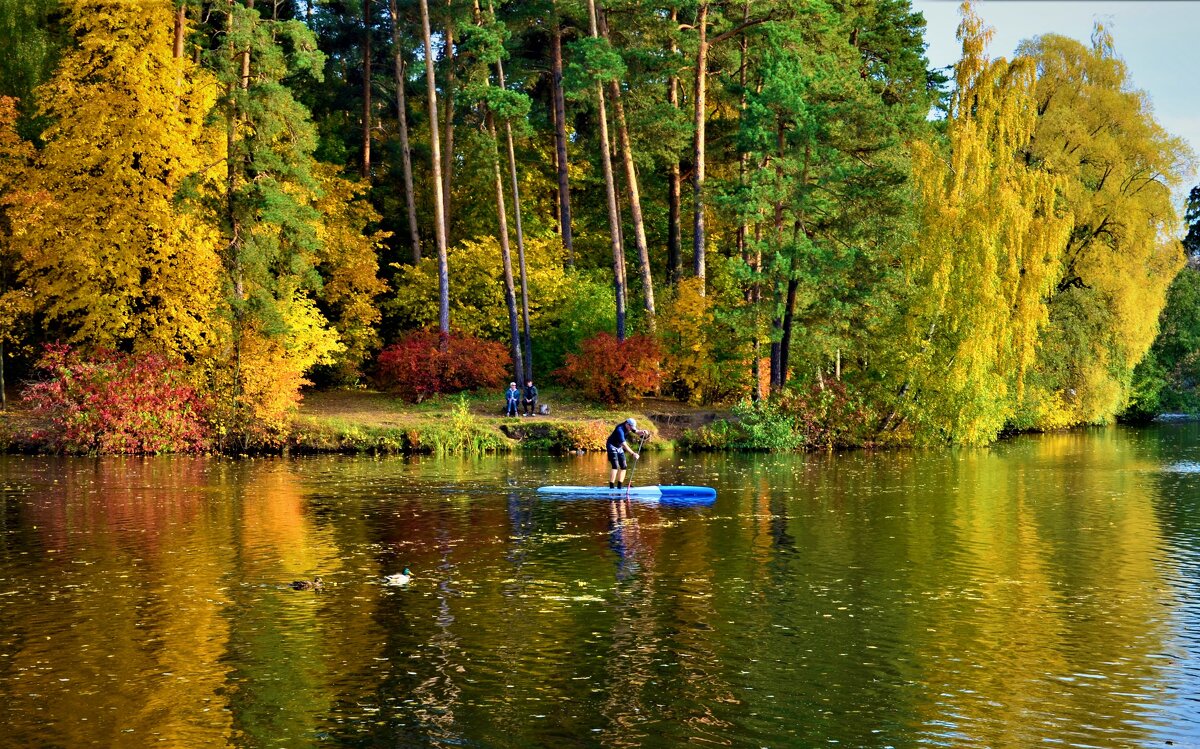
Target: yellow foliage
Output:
[
  {"x": 16, "y": 158},
  {"x": 111, "y": 256},
  {"x": 685, "y": 328},
  {"x": 1118, "y": 169},
  {"x": 271, "y": 367},
  {"x": 988, "y": 250},
  {"x": 477, "y": 304},
  {"x": 349, "y": 265}
]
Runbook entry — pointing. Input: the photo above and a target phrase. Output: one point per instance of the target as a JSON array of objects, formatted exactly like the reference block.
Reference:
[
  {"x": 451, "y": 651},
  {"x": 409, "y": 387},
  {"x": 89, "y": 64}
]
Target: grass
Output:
[
  {"x": 357, "y": 420},
  {"x": 367, "y": 421}
]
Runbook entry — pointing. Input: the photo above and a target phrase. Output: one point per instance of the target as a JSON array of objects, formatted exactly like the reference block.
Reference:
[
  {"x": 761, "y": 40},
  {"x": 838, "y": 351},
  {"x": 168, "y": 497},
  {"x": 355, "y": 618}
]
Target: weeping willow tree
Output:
[
  {"x": 1119, "y": 170},
  {"x": 984, "y": 258}
]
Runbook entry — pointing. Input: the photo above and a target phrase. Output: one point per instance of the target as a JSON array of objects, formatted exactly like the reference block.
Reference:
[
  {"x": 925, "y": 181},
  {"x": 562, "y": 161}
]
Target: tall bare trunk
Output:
[
  {"x": 436, "y": 159},
  {"x": 785, "y": 343},
  {"x": 698, "y": 153},
  {"x": 560, "y": 140},
  {"x": 516, "y": 191},
  {"x": 180, "y": 20},
  {"x": 614, "y": 221},
  {"x": 743, "y": 157},
  {"x": 448, "y": 145},
  {"x": 366, "y": 113},
  {"x": 674, "y": 232},
  {"x": 410, "y": 201},
  {"x": 635, "y": 199},
  {"x": 506, "y": 257}
]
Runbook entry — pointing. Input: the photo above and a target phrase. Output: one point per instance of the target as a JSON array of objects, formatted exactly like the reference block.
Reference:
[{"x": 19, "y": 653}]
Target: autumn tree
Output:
[
  {"x": 347, "y": 260},
  {"x": 17, "y": 157},
  {"x": 1117, "y": 170},
  {"x": 111, "y": 257},
  {"x": 984, "y": 257}
]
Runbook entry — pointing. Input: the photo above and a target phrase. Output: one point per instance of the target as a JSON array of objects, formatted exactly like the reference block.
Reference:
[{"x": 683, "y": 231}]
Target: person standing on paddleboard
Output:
[{"x": 617, "y": 446}]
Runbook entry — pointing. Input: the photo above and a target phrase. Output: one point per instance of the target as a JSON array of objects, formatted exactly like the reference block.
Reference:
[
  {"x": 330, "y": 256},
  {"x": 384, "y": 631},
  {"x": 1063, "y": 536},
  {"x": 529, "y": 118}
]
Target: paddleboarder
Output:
[{"x": 618, "y": 445}]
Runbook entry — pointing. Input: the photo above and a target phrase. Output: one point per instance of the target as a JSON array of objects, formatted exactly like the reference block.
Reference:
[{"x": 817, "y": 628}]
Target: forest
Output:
[{"x": 207, "y": 207}]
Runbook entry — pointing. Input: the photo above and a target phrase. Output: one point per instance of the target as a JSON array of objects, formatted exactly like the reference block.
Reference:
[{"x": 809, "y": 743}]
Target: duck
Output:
[
  {"x": 315, "y": 584},
  {"x": 401, "y": 578}
]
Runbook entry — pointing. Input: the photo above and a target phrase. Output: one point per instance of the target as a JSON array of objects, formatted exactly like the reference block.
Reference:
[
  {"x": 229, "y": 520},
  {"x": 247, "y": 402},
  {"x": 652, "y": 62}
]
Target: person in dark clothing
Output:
[
  {"x": 530, "y": 399},
  {"x": 511, "y": 396},
  {"x": 617, "y": 445}
]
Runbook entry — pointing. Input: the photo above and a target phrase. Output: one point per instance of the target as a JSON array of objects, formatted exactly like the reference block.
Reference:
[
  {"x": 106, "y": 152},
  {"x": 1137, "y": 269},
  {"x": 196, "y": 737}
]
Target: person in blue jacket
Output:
[
  {"x": 618, "y": 445},
  {"x": 511, "y": 396}
]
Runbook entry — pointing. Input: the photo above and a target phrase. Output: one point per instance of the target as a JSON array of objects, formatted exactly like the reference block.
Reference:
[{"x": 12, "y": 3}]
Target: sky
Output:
[{"x": 1159, "y": 41}]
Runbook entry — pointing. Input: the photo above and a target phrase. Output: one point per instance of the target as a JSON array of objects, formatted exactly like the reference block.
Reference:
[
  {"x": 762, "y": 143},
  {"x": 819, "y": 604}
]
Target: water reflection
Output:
[{"x": 1041, "y": 591}]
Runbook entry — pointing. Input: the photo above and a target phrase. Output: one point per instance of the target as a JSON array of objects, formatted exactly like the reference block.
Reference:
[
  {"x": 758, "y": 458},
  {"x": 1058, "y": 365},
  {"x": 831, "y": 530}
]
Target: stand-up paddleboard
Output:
[{"x": 674, "y": 493}]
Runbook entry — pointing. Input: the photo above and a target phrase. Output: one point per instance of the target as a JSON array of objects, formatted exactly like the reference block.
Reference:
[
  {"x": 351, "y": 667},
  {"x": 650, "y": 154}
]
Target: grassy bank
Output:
[
  {"x": 356, "y": 421},
  {"x": 350, "y": 421}
]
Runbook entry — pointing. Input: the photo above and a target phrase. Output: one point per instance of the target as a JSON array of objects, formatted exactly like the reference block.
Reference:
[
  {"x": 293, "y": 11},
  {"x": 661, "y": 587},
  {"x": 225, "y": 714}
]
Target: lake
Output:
[{"x": 1040, "y": 592}]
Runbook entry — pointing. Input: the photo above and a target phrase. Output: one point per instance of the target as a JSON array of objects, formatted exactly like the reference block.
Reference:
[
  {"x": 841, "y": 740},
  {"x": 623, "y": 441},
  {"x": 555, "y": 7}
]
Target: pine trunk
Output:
[
  {"x": 674, "y": 191},
  {"x": 180, "y": 21},
  {"x": 635, "y": 198},
  {"x": 698, "y": 155},
  {"x": 743, "y": 157},
  {"x": 366, "y": 113},
  {"x": 510, "y": 299},
  {"x": 410, "y": 201},
  {"x": 614, "y": 221},
  {"x": 785, "y": 343},
  {"x": 516, "y": 191},
  {"x": 560, "y": 141},
  {"x": 436, "y": 159},
  {"x": 448, "y": 145}
]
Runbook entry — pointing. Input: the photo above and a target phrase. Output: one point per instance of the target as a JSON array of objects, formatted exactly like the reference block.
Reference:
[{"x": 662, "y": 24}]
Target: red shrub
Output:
[
  {"x": 117, "y": 403},
  {"x": 613, "y": 372},
  {"x": 416, "y": 366}
]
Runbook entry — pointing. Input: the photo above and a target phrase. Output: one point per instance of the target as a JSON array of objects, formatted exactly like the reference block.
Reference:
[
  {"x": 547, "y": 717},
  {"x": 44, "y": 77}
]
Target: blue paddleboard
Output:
[{"x": 676, "y": 493}]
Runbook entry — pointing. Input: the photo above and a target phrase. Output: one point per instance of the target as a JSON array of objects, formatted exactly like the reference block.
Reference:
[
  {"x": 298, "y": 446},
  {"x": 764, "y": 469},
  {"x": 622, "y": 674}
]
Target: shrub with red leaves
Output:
[
  {"x": 613, "y": 372},
  {"x": 117, "y": 404},
  {"x": 419, "y": 366}
]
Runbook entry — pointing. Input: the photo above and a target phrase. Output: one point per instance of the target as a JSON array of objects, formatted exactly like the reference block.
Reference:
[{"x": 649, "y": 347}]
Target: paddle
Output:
[{"x": 629, "y": 476}]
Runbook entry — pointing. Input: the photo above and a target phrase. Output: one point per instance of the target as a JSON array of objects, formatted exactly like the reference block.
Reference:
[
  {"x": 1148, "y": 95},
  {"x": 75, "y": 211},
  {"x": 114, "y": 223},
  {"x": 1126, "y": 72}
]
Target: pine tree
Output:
[{"x": 265, "y": 210}]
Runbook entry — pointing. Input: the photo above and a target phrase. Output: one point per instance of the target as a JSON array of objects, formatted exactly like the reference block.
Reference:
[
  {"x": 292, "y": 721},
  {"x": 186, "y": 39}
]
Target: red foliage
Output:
[
  {"x": 613, "y": 372},
  {"x": 118, "y": 404},
  {"x": 418, "y": 365}
]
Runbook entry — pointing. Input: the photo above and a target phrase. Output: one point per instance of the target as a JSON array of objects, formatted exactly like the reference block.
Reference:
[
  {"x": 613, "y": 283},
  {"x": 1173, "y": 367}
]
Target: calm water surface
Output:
[{"x": 1042, "y": 592}]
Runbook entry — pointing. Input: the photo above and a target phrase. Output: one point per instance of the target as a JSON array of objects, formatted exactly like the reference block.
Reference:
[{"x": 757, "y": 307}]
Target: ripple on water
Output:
[
  {"x": 1186, "y": 466},
  {"x": 1041, "y": 592}
]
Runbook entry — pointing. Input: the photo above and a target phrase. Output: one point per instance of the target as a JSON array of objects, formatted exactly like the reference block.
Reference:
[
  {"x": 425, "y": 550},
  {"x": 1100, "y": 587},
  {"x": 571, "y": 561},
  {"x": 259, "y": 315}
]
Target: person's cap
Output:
[
  {"x": 512, "y": 384},
  {"x": 631, "y": 422}
]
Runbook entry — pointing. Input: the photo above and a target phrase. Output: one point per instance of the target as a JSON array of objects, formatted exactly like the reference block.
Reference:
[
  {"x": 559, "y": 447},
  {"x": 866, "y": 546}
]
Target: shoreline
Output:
[{"x": 368, "y": 422}]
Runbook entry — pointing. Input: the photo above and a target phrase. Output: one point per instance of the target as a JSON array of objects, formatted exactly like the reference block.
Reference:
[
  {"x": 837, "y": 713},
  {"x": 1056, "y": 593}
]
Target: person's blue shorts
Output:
[{"x": 616, "y": 457}]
